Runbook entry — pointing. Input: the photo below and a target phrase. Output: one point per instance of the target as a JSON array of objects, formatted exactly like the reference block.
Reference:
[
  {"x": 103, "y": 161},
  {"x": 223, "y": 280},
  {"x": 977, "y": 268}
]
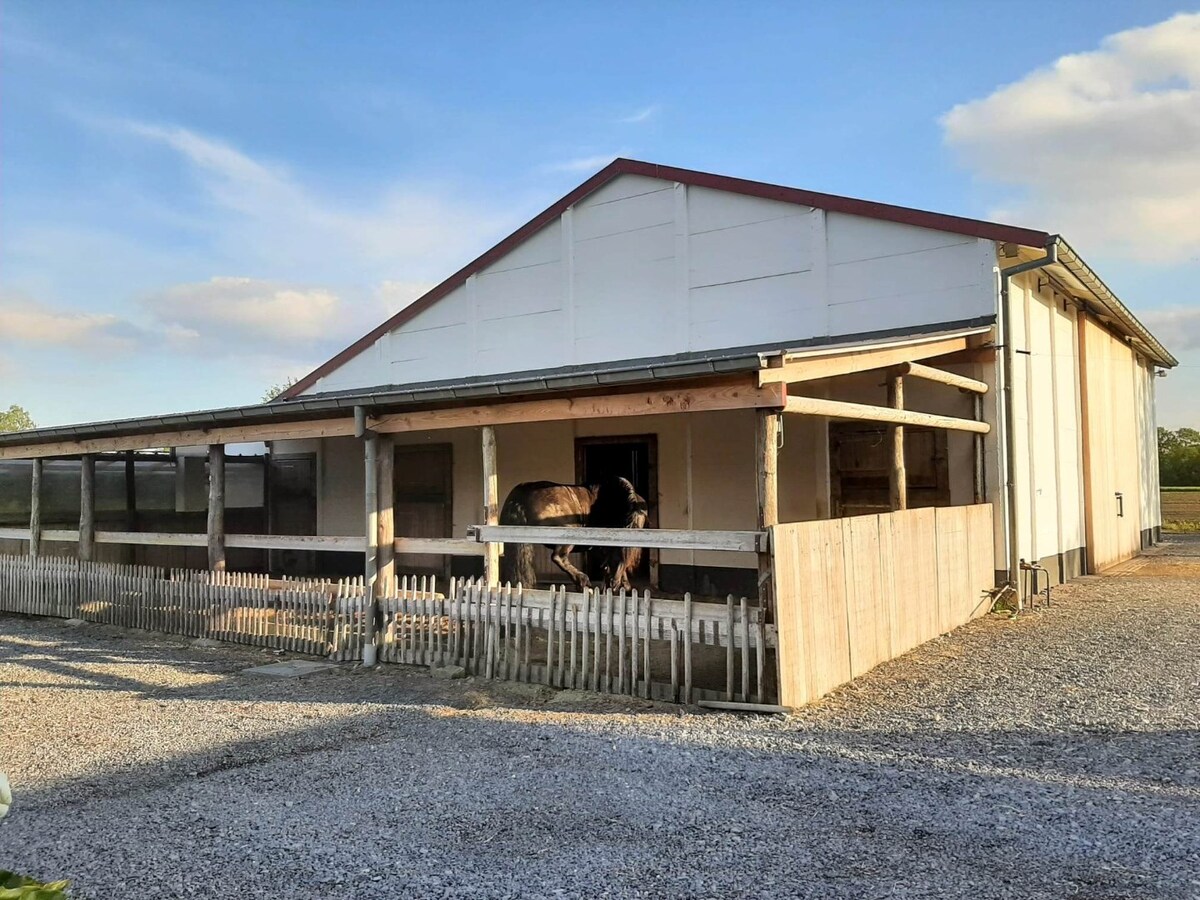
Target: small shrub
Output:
[{"x": 21, "y": 887}]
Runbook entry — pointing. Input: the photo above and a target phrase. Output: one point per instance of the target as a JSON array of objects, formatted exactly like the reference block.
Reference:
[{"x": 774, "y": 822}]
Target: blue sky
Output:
[{"x": 198, "y": 200}]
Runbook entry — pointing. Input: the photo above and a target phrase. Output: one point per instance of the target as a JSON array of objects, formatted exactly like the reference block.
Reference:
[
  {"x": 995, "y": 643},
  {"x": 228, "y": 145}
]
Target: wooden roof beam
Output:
[
  {"x": 830, "y": 365},
  {"x": 838, "y": 409},
  {"x": 928, "y": 373}
]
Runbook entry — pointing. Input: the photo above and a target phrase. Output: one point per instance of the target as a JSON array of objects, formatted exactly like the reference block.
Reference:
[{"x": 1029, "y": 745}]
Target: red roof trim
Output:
[{"x": 831, "y": 202}]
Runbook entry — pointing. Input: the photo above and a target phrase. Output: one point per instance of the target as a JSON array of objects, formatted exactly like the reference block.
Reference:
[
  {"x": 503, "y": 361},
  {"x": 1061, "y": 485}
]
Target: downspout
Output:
[{"x": 1010, "y": 480}]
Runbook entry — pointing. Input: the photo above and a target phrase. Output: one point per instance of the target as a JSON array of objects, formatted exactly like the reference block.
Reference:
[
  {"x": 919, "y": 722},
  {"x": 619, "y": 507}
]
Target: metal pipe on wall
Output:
[{"x": 1006, "y": 417}]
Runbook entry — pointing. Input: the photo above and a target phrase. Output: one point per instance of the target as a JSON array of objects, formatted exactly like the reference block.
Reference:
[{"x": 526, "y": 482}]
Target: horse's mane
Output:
[{"x": 617, "y": 504}]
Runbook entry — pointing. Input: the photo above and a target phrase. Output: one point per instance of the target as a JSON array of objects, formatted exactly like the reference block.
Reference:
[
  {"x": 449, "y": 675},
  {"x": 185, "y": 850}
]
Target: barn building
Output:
[{"x": 750, "y": 356}]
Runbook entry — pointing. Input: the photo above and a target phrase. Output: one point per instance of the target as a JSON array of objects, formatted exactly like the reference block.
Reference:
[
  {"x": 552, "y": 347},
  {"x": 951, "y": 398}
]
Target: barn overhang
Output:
[{"x": 742, "y": 377}]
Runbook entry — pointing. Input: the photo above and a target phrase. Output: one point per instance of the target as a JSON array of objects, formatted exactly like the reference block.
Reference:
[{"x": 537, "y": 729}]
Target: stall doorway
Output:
[
  {"x": 627, "y": 456},
  {"x": 424, "y": 503},
  {"x": 859, "y": 468}
]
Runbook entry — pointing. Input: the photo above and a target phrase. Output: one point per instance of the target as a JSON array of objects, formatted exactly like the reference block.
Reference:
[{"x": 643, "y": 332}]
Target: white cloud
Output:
[
  {"x": 642, "y": 115},
  {"x": 584, "y": 163},
  {"x": 268, "y": 218},
  {"x": 1180, "y": 325},
  {"x": 248, "y": 310},
  {"x": 27, "y": 322},
  {"x": 1103, "y": 146}
]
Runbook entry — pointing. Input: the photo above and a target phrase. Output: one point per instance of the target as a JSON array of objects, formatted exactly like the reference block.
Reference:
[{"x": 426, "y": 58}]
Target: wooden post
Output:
[
  {"x": 87, "y": 507},
  {"x": 898, "y": 480},
  {"x": 980, "y": 476},
  {"x": 767, "y": 460},
  {"x": 385, "y": 529},
  {"x": 371, "y": 508},
  {"x": 216, "y": 507},
  {"x": 35, "y": 510},
  {"x": 491, "y": 504}
]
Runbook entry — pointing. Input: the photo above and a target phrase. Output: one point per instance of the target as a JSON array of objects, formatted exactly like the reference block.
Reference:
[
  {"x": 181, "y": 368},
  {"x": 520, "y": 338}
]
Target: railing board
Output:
[{"x": 653, "y": 538}]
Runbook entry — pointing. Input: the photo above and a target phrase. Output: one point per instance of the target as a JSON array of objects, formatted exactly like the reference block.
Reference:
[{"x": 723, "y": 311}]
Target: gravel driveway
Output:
[{"x": 1056, "y": 755}]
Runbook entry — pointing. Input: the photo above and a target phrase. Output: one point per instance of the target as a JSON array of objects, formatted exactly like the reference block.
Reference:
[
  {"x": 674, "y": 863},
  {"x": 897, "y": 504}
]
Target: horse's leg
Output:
[{"x": 559, "y": 557}]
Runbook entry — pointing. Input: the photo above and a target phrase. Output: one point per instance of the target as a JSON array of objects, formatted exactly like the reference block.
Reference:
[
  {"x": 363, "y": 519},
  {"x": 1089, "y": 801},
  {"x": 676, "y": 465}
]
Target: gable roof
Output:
[{"x": 832, "y": 202}]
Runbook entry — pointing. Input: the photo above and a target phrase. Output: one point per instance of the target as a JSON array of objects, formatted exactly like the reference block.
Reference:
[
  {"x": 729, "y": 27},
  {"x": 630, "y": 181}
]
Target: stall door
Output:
[
  {"x": 1112, "y": 457},
  {"x": 424, "y": 501},
  {"x": 859, "y": 464}
]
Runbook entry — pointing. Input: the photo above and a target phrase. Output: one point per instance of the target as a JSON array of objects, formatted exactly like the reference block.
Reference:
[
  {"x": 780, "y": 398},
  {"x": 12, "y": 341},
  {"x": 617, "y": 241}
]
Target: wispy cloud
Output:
[
  {"x": 265, "y": 210},
  {"x": 1181, "y": 325},
  {"x": 1101, "y": 145},
  {"x": 645, "y": 114},
  {"x": 27, "y": 322},
  {"x": 583, "y": 163},
  {"x": 223, "y": 312}
]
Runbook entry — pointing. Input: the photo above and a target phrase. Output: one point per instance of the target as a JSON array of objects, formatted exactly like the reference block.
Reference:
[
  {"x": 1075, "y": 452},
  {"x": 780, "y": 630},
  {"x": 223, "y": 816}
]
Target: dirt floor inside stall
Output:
[{"x": 1054, "y": 755}]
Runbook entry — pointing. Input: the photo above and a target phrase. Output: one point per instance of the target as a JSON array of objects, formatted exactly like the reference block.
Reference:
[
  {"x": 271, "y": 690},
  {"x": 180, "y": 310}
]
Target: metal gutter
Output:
[{"x": 1111, "y": 305}]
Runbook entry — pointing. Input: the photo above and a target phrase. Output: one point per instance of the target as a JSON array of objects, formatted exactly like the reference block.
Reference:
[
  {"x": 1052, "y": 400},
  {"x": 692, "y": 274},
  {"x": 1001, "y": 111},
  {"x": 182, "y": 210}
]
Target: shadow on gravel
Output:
[{"x": 480, "y": 792}]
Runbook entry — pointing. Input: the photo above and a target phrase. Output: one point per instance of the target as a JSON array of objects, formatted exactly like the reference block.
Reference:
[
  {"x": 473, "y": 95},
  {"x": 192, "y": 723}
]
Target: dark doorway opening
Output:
[
  {"x": 292, "y": 509},
  {"x": 424, "y": 503},
  {"x": 626, "y": 456}
]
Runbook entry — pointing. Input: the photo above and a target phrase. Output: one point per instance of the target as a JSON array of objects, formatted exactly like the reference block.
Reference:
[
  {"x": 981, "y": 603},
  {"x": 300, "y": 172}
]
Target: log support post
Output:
[
  {"x": 371, "y": 570},
  {"x": 491, "y": 505},
  {"x": 87, "y": 507},
  {"x": 35, "y": 510},
  {"x": 385, "y": 528},
  {"x": 980, "y": 479},
  {"x": 767, "y": 464},
  {"x": 898, "y": 477},
  {"x": 216, "y": 507}
]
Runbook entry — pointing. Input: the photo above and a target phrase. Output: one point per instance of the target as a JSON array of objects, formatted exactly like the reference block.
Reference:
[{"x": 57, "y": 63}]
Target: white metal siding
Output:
[{"x": 646, "y": 268}]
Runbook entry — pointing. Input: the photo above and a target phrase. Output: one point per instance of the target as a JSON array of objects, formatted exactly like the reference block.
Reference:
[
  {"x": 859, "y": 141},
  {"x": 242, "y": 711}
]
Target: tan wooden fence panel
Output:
[{"x": 855, "y": 592}]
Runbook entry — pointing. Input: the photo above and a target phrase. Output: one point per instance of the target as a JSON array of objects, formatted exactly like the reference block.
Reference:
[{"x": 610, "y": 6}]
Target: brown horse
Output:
[{"x": 611, "y": 503}]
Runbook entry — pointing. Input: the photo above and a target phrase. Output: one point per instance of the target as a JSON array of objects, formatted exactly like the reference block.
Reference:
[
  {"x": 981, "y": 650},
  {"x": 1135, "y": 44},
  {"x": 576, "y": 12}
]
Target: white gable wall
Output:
[{"x": 649, "y": 268}]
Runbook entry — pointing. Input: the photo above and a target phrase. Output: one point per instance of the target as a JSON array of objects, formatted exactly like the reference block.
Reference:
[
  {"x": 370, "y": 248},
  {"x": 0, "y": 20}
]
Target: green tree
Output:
[
  {"x": 1179, "y": 457},
  {"x": 276, "y": 389},
  {"x": 16, "y": 418}
]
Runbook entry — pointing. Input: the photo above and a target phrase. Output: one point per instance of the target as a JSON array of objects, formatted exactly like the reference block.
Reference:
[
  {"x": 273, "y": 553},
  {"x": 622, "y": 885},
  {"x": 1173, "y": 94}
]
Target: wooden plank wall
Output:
[{"x": 855, "y": 592}]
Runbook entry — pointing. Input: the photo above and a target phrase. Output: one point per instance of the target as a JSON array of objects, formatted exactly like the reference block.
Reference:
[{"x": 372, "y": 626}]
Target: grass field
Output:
[{"x": 1181, "y": 509}]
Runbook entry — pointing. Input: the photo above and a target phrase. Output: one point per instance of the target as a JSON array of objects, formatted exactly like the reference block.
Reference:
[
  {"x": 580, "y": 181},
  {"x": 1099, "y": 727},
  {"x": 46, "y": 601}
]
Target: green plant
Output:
[{"x": 19, "y": 887}]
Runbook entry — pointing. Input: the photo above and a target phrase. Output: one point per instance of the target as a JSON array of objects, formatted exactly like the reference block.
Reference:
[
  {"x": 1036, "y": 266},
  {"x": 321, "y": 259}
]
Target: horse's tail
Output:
[{"x": 516, "y": 565}]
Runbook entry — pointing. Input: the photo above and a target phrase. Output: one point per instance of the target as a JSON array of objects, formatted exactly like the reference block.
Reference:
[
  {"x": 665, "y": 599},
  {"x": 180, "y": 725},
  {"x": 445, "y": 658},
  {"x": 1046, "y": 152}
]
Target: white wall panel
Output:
[{"x": 645, "y": 267}]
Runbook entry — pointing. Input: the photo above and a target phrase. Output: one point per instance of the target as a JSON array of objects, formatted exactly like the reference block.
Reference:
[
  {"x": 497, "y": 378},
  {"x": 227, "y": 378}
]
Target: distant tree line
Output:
[{"x": 1179, "y": 457}]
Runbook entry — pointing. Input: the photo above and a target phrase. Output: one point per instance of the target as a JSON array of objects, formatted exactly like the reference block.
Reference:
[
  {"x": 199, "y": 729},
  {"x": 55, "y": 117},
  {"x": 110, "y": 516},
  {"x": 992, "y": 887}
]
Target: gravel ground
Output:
[{"x": 1055, "y": 755}]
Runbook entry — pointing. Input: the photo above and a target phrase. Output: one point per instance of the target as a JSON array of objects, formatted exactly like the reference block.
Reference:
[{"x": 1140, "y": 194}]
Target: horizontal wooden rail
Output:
[
  {"x": 656, "y": 538},
  {"x": 929, "y": 373},
  {"x": 444, "y": 546},
  {"x": 152, "y": 538},
  {"x": 330, "y": 543},
  {"x": 838, "y": 409}
]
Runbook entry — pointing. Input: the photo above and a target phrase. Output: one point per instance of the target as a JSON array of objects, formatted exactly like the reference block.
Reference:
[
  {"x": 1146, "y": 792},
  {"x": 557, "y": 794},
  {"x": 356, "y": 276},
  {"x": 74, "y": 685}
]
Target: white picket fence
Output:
[{"x": 635, "y": 644}]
